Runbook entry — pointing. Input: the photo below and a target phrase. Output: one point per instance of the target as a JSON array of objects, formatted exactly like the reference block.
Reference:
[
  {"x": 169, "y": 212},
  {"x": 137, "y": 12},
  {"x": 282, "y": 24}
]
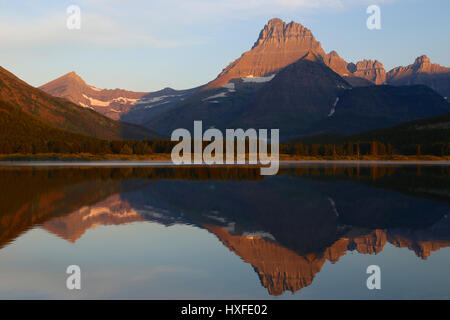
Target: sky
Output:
[{"x": 147, "y": 45}]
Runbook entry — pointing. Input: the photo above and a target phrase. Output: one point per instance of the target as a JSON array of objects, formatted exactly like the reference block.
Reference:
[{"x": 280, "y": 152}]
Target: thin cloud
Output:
[
  {"x": 111, "y": 27},
  {"x": 96, "y": 30}
]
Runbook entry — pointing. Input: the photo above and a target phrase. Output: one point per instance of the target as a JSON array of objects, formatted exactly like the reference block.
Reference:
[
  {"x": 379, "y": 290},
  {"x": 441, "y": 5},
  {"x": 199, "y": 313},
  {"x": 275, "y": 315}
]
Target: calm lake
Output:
[{"x": 146, "y": 232}]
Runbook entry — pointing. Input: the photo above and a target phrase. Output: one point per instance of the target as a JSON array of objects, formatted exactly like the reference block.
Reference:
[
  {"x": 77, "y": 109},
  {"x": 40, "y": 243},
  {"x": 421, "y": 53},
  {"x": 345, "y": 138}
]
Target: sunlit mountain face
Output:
[{"x": 289, "y": 228}]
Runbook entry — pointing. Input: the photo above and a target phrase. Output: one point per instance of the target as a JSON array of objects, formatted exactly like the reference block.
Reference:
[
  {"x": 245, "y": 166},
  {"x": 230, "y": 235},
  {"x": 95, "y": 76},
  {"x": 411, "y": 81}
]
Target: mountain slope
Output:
[
  {"x": 155, "y": 103},
  {"x": 63, "y": 114},
  {"x": 215, "y": 107},
  {"x": 367, "y": 108},
  {"x": 300, "y": 95},
  {"x": 433, "y": 134},
  {"x": 406, "y": 136},
  {"x": 23, "y": 133}
]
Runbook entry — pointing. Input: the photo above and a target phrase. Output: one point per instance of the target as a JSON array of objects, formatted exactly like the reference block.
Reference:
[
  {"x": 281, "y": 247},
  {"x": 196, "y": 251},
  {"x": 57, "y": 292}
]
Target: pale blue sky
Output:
[{"x": 148, "y": 45}]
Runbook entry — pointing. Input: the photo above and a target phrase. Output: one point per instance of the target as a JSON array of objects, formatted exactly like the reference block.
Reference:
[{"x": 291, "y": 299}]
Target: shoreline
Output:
[{"x": 164, "y": 160}]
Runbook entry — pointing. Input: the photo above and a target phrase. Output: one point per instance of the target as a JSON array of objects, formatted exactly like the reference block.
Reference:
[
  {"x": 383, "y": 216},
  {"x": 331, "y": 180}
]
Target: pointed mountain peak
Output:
[
  {"x": 422, "y": 60},
  {"x": 369, "y": 64},
  {"x": 334, "y": 54},
  {"x": 276, "y": 30},
  {"x": 73, "y": 75},
  {"x": 275, "y": 21},
  {"x": 279, "y": 44},
  {"x": 437, "y": 76},
  {"x": 334, "y": 61},
  {"x": 69, "y": 79},
  {"x": 312, "y": 56}
]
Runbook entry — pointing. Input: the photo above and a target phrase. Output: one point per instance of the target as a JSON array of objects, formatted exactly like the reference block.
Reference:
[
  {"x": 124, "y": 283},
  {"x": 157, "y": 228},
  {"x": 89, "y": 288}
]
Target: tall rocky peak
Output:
[
  {"x": 69, "y": 82},
  {"x": 372, "y": 70},
  {"x": 422, "y": 64},
  {"x": 422, "y": 60},
  {"x": 279, "y": 45},
  {"x": 73, "y": 75},
  {"x": 422, "y": 71},
  {"x": 336, "y": 63},
  {"x": 278, "y": 33}
]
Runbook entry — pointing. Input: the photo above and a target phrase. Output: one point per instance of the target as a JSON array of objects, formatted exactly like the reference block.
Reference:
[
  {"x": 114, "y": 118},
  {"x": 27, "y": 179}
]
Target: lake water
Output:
[{"x": 160, "y": 232}]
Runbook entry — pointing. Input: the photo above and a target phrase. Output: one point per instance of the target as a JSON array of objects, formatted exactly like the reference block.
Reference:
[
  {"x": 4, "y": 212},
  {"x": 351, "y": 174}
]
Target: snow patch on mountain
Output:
[
  {"x": 124, "y": 100},
  {"x": 157, "y": 99},
  {"x": 96, "y": 102},
  {"x": 258, "y": 79},
  {"x": 101, "y": 103},
  {"x": 258, "y": 234},
  {"x": 155, "y": 105},
  {"x": 230, "y": 86},
  {"x": 94, "y": 88},
  {"x": 333, "y": 109},
  {"x": 85, "y": 106},
  {"x": 219, "y": 95}
]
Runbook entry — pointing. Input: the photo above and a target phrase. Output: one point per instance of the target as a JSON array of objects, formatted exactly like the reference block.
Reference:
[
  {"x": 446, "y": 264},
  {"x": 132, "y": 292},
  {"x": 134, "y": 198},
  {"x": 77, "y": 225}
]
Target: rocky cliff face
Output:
[
  {"x": 279, "y": 44},
  {"x": 422, "y": 71},
  {"x": 422, "y": 64},
  {"x": 363, "y": 73},
  {"x": 371, "y": 70},
  {"x": 337, "y": 64}
]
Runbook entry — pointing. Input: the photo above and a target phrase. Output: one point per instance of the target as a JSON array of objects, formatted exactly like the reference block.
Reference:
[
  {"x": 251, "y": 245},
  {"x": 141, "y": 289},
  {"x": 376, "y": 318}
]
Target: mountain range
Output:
[
  {"x": 303, "y": 99},
  {"x": 117, "y": 104},
  {"x": 286, "y": 81}
]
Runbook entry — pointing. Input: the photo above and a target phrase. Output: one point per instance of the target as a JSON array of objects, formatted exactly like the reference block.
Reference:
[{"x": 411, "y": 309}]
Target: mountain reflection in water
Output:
[{"x": 286, "y": 227}]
